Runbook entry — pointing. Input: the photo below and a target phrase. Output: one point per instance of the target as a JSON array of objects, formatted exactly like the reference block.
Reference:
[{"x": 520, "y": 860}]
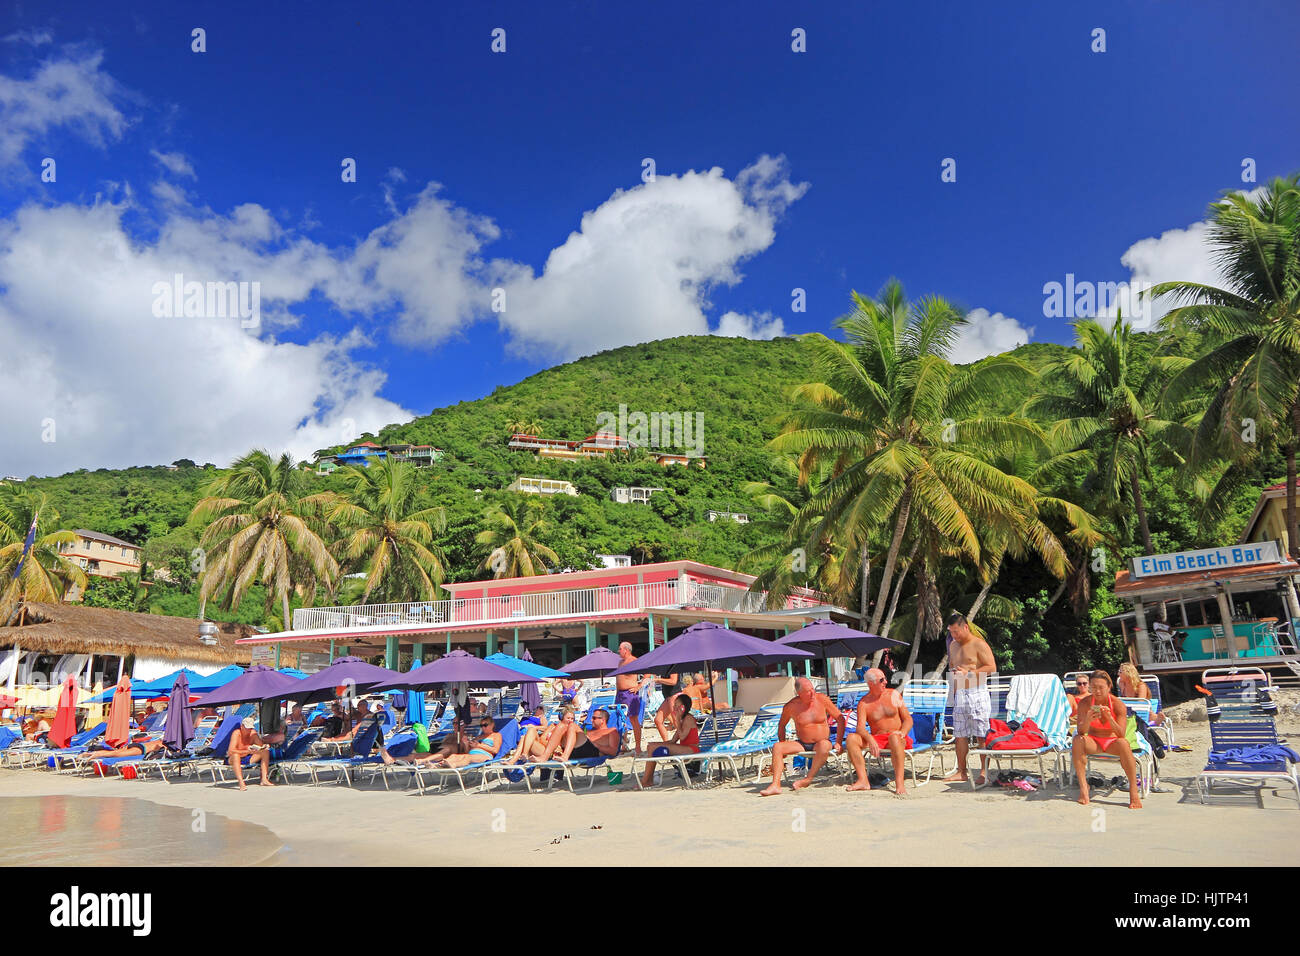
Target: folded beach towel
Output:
[
  {"x": 1268, "y": 753},
  {"x": 1028, "y": 693}
]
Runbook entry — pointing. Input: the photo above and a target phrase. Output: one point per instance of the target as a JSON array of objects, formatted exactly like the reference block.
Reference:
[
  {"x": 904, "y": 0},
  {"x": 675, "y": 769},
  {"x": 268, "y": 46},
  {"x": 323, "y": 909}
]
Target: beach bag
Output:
[
  {"x": 1002, "y": 736},
  {"x": 421, "y": 738},
  {"x": 1131, "y": 732}
]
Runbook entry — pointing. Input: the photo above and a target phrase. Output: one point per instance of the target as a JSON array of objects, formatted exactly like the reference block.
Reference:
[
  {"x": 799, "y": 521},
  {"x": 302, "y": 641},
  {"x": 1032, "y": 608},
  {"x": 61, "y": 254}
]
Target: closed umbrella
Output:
[
  {"x": 119, "y": 714},
  {"x": 179, "y": 728},
  {"x": 65, "y": 721},
  {"x": 836, "y": 640},
  {"x": 530, "y": 694},
  {"x": 709, "y": 643}
]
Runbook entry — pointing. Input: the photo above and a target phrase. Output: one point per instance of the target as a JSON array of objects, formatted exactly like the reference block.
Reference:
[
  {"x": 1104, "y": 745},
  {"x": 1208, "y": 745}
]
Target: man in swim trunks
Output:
[
  {"x": 629, "y": 692},
  {"x": 811, "y": 713},
  {"x": 883, "y": 723},
  {"x": 570, "y": 743},
  {"x": 1103, "y": 727},
  {"x": 245, "y": 742},
  {"x": 969, "y": 662}
]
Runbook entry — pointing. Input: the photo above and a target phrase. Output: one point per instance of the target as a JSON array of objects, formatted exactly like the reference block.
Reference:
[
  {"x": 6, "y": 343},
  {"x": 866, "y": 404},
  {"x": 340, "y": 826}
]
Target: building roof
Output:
[
  {"x": 1272, "y": 492},
  {"x": 596, "y": 573},
  {"x": 76, "y": 629},
  {"x": 96, "y": 536},
  {"x": 1128, "y": 586}
]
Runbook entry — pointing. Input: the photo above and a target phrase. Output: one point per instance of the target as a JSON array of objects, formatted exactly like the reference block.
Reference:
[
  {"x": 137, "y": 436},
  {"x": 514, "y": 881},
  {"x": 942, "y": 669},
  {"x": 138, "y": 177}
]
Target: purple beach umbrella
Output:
[
  {"x": 836, "y": 640},
  {"x": 709, "y": 643},
  {"x": 596, "y": 664},
  {"x": 458, "y": 667},
  {"x": 179, "y": 728},
  {"x": 350, "y": 672},
  {"x": 256, "y": 683}
]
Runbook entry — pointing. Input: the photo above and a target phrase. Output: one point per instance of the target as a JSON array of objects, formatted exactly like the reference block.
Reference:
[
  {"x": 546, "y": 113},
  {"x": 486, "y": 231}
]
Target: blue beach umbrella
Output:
[{"x": 416, "y": 712}]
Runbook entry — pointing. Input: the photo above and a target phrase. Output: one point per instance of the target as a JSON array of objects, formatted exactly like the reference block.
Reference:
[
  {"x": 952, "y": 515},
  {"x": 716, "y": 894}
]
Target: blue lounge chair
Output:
[
  {"x": 204, "y": 730},
  {"x": 716, "y": 729},
  {"x": 362, "y": 743},
  {"x": 509, "y": 741},
  {"x": 1244, "y": 745},
  {"x": 742, "y": 751},
  {"x": 38, "y": 754},
  {"x": 564, "y": 770}
]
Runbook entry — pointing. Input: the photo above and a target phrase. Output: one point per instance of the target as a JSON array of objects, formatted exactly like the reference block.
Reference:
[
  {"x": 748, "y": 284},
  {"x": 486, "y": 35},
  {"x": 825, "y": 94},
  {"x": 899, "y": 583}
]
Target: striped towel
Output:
[{"x": 1041, "y": 698}]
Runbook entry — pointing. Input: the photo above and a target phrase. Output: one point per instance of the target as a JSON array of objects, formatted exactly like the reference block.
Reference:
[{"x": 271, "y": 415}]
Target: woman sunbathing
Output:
[
  {"x": 536, "y": 741},
  {"x": 140, "y": 747},
  {"x": 487, "y": 747}
]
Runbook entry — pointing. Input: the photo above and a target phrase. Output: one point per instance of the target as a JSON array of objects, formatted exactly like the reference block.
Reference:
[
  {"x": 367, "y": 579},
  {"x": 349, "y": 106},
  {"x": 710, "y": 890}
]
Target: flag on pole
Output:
[{"x": 27, "y": 546}]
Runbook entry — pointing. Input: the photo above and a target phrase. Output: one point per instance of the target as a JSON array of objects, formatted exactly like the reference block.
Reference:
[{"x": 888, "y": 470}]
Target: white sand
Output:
[{"x": 938, "y": 824}]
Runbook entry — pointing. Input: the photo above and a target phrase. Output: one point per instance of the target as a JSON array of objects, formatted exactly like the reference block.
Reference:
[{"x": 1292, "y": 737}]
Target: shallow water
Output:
[{"x": 124, "y": 831}]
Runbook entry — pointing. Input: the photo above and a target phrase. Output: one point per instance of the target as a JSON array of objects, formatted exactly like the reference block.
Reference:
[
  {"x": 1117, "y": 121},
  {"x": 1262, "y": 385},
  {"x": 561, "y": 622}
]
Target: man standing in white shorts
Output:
[{"x": 969, "y": 662}]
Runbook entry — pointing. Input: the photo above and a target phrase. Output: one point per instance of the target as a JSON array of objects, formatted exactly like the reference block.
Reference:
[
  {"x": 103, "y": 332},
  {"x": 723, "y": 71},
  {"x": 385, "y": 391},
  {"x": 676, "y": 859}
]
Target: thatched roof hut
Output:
[{"x": 76, "y": 629}]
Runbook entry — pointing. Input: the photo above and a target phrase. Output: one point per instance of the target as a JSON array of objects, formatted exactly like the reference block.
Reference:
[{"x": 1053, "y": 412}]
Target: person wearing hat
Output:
[{"x": 245, "y": 742}]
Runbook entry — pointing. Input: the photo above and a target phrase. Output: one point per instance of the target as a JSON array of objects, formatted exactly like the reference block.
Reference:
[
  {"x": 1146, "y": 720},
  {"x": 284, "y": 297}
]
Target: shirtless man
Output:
[
  {"x": 883, "y": 722},
  {"x": 245, "y": 742},
  {"x": 810, "y": 712},
  {"x": 628, "y": 687},
  {"x": 969, "y": 661},
  {"x": 570, "y": 743},
  {"x": 1103, "y": 726}
]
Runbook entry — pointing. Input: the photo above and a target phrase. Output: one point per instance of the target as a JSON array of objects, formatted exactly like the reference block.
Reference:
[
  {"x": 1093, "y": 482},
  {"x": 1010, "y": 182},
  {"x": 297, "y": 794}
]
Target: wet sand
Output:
[{"x": 939, "y": 823}]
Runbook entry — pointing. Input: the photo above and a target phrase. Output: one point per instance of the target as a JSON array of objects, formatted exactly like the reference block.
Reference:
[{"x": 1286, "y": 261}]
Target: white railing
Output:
[{"x": 493, "y": 610}]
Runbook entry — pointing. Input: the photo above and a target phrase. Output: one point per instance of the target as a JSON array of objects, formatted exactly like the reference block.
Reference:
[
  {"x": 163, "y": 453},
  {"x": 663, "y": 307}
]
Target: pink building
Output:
[{"x": 558, "y": 616}]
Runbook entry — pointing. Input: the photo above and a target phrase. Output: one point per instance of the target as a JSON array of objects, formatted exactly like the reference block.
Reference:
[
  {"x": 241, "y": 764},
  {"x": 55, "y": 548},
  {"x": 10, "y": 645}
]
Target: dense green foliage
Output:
[{"x": 739, "y": 386}]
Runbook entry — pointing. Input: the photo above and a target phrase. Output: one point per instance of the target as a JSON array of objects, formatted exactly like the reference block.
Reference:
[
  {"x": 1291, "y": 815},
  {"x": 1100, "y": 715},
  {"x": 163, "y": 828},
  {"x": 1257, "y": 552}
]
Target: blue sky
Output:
[{"x": 376, "y": 295}]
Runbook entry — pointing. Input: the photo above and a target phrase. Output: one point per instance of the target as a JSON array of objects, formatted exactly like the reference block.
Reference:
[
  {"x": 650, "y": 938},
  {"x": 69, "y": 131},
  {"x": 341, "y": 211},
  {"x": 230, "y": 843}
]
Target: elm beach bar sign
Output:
[{"x": 1209, "y": 559}]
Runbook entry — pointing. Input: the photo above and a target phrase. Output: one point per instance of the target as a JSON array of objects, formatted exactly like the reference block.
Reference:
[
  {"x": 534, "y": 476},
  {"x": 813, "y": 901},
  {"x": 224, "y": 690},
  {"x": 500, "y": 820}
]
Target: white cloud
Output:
[
  {"x": 83, "y": 349},
  {"x": 641, "y": 264},
  {"x": 30, "y": 37},
  {"x": 175, "y": 163},
  {"x": 988, "y": 334},
  {"x": 764, "y": 325},
  {"x": 71, "y": 92},
  {"x": 1174, "y": 255}
]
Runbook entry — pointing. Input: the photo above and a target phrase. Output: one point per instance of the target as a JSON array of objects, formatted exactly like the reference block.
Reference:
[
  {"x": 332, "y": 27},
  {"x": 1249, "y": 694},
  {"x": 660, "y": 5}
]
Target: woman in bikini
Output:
[
  {"x": 536, "y": 740},
  {"x": 487, "y": 747},
  {"x": 685, "y": 741},
  {"x": 1103, "y": 722}
]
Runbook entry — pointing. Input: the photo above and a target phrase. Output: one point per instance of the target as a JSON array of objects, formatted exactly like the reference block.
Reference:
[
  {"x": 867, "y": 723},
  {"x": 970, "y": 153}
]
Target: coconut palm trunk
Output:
[
  {"x": 904, "y": 509},
  {"x": 1292, "y": 537}
]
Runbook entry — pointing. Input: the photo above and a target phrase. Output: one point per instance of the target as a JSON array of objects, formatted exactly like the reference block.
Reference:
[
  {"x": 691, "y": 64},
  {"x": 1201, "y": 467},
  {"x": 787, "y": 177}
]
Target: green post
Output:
[
  {"x": 592, "y": 638},
  {"x": 650, "y": 618},
  {"x": 665, "y": 630},
  {"x": 516, "y": 642},
  {"x": 726, "y": 674},
  {"x": 611, "y": 641},
  {"x": 277, "y": 655},
  {"x": 417, "y": 653},
  {"x": 449, "y": 642},
  {"x": 789, "y": 665},
  {"x": 331, "y": 650},
  {"x": 390, "y": 651},
  {"x": 491, "y": 643},
  {"x": 564, "y": 654}
]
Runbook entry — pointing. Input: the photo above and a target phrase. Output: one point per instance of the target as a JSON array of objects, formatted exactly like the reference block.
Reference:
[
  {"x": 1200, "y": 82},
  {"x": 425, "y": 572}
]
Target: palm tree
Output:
[
  {"x": 1099, "y": 402},
  {"x": 260, "y": 529},
  {"x": 1252, "y": 367},
  {"x": 524, "y": 426},
  {"x": 901, "y": 429},
  {"x": 46, "y": 575},
  {"x": 511, "y": 540},
  {"x": 386, "y": 534},
  {"x": 783, "y": 565}
]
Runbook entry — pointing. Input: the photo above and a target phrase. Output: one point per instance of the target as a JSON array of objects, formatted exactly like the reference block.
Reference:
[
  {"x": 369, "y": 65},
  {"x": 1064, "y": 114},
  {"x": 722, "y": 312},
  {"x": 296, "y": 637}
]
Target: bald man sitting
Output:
[
  {"x": 811, "y": 713},
  {"x": 883, "y": 723}
]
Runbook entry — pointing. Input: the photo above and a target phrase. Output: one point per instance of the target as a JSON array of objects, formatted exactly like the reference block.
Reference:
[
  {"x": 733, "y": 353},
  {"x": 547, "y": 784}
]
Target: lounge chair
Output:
[
  {"x": 1244, "y": 745},
  {"x": 509, "y": 741},
  {"x": 362, "y": 742},
  {"x": 1036, "y": 697},
  {"x": 36, "y": 754},
  {"x": 562, "y": 769},
  {"x": 715, "y": 730},
  {"x": 204, "y": 730},
  {"x": 739, "y": 752}
]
